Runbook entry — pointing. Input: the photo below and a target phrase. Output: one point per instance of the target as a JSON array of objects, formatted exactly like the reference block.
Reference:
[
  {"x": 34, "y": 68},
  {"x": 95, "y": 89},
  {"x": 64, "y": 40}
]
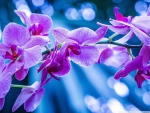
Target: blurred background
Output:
[{"x": 83, "y": 90}]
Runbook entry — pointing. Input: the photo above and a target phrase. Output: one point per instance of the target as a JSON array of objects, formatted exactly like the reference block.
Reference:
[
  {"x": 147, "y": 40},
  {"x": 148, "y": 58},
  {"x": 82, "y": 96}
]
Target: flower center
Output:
[
  {"x": 36, "y": 29},
  {"x": 14, "y": 53}
]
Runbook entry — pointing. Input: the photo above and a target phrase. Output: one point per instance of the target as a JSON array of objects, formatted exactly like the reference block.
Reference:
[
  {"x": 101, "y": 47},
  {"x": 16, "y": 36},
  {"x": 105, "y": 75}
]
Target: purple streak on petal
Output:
[
  {"x": 130, "y": 66},
  {"x": 139, "y": 79},
  {"x": 61, "y": 35},
  {"x": 140, "y": 21},
  {"x": 15, "y": 34},
  {"x": 44, "y": 76},
  {"x": 83, "y": 36},
  {"x": 24, "y": 17},
  {"x": 25, "y": 94},
  {"x": 32, "y": 56},
  {"x": 37, "y": 40},
  {"x": 44, "y": 20},
  {"x": 116, "y": 56},
  {"x": 2, "y": 100},
  {"x": 5, "y": 83},
  {"x": 21, "y": 73},
  {"x": 32, "y": 103},
  {"x": 145, "y": 52},
  {"x": 116, "y": 23},
  {"x": 119, "y": 16},
  {"x": 125, "y": 38},
  {"x": 141, "y": 35},
  {"x": 89, "y": 55}
]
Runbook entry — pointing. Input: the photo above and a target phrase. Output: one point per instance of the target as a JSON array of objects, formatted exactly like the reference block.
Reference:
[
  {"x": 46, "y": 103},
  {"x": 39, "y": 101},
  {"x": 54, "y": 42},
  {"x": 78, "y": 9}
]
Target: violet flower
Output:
[
  {"x": 140, "y": 63},
  {"x": 113, "y": 55},
  {"x": 37, "y": 24},
  {"x": 56, "y": 64},
  {"x": 79, "y": 44},
  {"x": 22, "y": 51},
  {"x": 126, "y": 25}
]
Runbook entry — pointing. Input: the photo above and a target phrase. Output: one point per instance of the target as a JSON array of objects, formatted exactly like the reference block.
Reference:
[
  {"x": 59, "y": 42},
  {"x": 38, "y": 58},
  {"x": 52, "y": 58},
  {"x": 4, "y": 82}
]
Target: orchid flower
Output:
[
  {"x": 56, "y": 64},
  {"x": 37, "y": 24},
  {"x": 79, "y": 43},
  {"x": 127, "y": 25},
  {"x": 113, "y": 55},
  {"x": 22, "y": 50},
  {"x": 140, "y": 63}
]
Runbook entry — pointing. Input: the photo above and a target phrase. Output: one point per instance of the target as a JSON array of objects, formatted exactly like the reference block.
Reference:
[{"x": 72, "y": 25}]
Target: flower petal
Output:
[
  {"x": 83, "y": 36},
  {"x": 119, "y": 29},
  {"x": 61, "y": 35},
  {"x": 140, "y": 21},
  {"x": 125, "y": 38},
  {"x": 2, "y": 100},
  {"x": 3, "y": 49},
  {"x": 130, "y": 66},
  {"x": 5, "y": 83},
  {"x": 141, "y": 35},
  {"x": 25, "y": 94},
  {"x": 15, "y": 34},
  {"x": 21, "y": 73},
  {"x": 32, "y": 103},
  {"x": 23, "y": 17},
  {"x": 2, "y": 64},
  {"x": 32, "y": 56},
  {"x": 37, "y": 40},
  {"x": 116, "y": 56},
  {"x": 145, "y": 50},
  {"x": 43, "y": 20},
  {"x": 89, "y": 55}
]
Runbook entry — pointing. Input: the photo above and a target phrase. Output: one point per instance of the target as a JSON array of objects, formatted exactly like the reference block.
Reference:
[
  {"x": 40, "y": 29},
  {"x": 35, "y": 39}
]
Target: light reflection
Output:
[
  {"x": 121, "y": 89},
  {"x": 38, "y": 2},
  {"x": 111, "y": 81},
  {"x": 23, "y": 6},
  {"x": 47, "y": 9},
  {"x": 146, "y": 98},
  {"x": 88, "y": 14},
  {"x": 113, "y": 103},
  {"x": 132, "y": 108},
  {"x": 92, "y": 103},
  {"x": 141, "y": 7},
  {"x": 71, "y": 14}
]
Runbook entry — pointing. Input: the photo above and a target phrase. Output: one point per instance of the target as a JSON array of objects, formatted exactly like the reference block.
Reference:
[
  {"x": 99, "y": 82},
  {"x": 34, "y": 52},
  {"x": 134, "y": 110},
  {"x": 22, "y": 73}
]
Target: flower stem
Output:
[
  {"x": 18, "y": 86},
  {"x": 112, "y": 36},
  {"x": 119, "y": 44}
]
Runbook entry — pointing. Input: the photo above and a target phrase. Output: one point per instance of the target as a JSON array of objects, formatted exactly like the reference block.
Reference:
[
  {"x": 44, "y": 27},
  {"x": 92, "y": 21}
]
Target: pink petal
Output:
[
  {"x": 148, "y": 11},
  {"x": 21, "y": 73},
  {"x": 3, "y": 49},
  {"x": 145, "y": 50},
  {"x": 83, "y": 36},
  {"x": 129, "y": 67},
  {"x": 89, "y": 55},
  {"x": 141, "y": 35},
  {"x": 43, "y": 20},
  {"x": 140, "y": 21},
  {"x": 2, "y": 100},
  {"x": 37, "y": 40},
  {"x": 119, "y": 29},
  {"x": 5, "y": 83},
  {"x": 2, "y": 64},
  {"x": 23, "y": 17},
  {"x": 61, "y": 35},
  {"x": 33, "y": 102},
  {"x": 116, "y": 56},
  {"x": 25, "y": 94},
  {"x": 125, "y": 38},
  {"x": 32, "y": 56},
  {"x": 15, "y": 34}
]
